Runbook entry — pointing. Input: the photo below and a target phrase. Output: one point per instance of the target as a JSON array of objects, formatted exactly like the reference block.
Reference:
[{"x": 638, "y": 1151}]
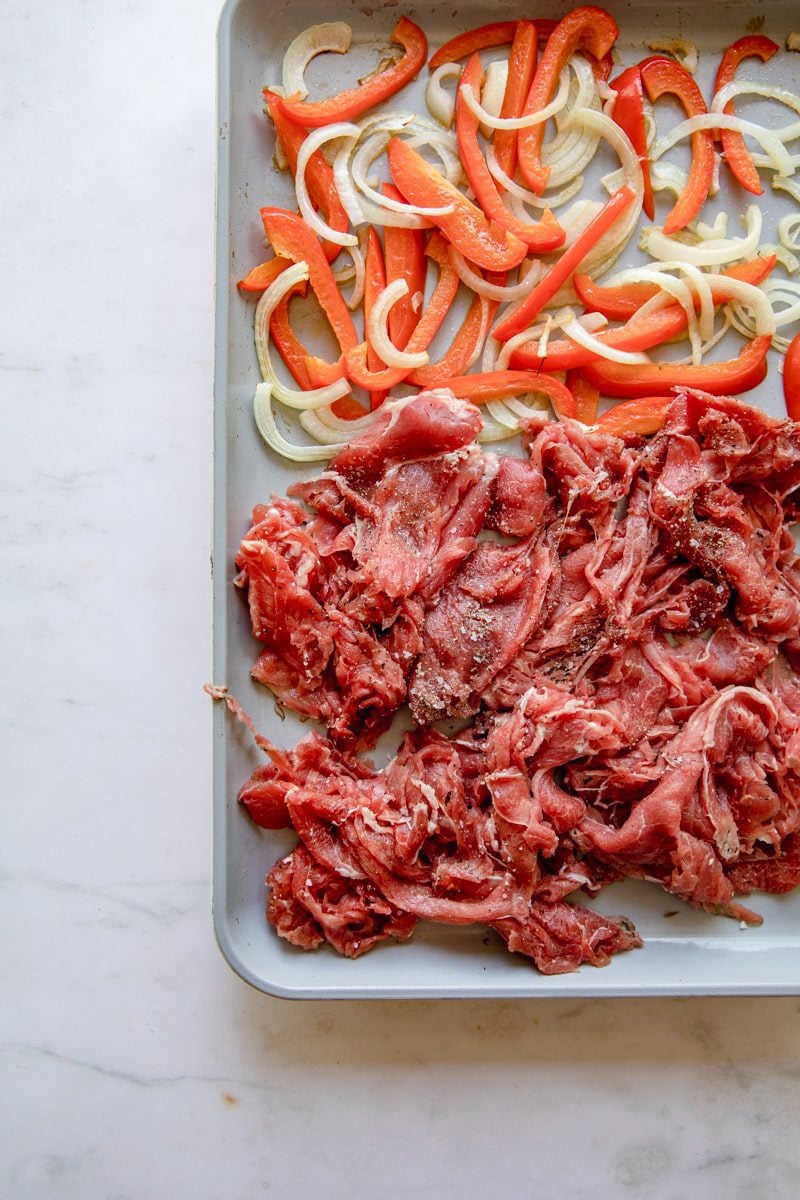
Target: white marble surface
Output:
[{"x": 135, "y": 1064}]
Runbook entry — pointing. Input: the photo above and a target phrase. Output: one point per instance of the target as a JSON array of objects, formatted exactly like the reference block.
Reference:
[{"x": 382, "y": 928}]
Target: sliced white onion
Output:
[
  {"x": 707, "y": 254},
  {"x": 494, "y": 90},
  {"x": 363, "y": 159},
  {"x": 576, "y": 333},
  {"x": 378, "y": 333},
  {"x": 501, "y": 415},
  {"x": 788, "y": 230},
  {"x": 522, "y": 193},
  {"x": 719, "y": 229},
  {"x": 326, "y": 427},
  {"x": 577, "y": 219},
  {"x": 494, "y": 291},
  {"x": 793, "y": 41},
  {"x": 351, "y": 201},
  {"x": 443, "y": 144},
  {"x": 529, "y": 408},
  {"x": 317, "y": 138},
  {"x": 493, "y": 431},
  {"x": 486, "y": 317},
  {"x": 487, "y": 118},
  {"x": 265, "y": 422},
  {"x": 685, "y": 52},
  {"x": 744, "y": 87},
  {"x": 357, "y": 272},
  {"x": 769, "y": 141},
  {"x": 335, "y": 36},
  {"x": 591, "y": 322},
  {"x": 441, "y": 104},
  {"x": 690, "y": 360},
  {"x": 271, "y": 298},
  {"x": 788, "y": 261},
  {"x": 779, "y": 184}
]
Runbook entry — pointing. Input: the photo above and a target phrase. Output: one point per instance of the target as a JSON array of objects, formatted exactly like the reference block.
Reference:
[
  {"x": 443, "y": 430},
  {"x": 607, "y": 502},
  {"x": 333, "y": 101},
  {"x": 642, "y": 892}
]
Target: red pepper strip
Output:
[
  {"x": 404, "y": 253},
  {"x": 500, "y": 33},
  {"x": 734, "y": 150},
  {"x": 562, "y": 269},
  {"x": 658, "y": 379},
  {"x": 628, "y": 113},
  {"x": 546, "y": 234},
  {"x": 521, "y": 66},
  {"x": 289, "y": 346},
  {"x": 603, "y": 67},
  {"x": 260, "y": 278},
  {"x": 464, "y": 345},
  {"x": 498, "y": 385},
  {"x": 478, "y": 239},
  {"x": 791, "y": 378},
  {"x": 624, "y": 301},
  {"x": 291, "y": 238},
  {"x": 586, "y": 396},
  {"x": 645, "y": 414},
  {"x": 357, "y": 100},
  {"x": 374, "y": 283},
  {"x": 666, "y": 77},
  {"x": 585, "y": 28},
  {"x": 436, "y": 310},
  {"x": 319, "y": 175}
]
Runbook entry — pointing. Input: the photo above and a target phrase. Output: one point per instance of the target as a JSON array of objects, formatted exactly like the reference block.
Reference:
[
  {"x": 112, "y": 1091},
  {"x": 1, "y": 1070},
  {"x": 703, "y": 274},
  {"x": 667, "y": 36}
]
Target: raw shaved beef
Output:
[{"x": 619, "y": 622}]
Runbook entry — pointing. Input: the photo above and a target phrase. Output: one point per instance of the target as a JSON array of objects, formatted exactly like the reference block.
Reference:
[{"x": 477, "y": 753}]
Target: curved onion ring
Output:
[
  {"x": 334, "y": 36},
  {"x": 378, "y": 334},
  {"x": 265, "y": 422},
  {"x": 441, "y": 104}
]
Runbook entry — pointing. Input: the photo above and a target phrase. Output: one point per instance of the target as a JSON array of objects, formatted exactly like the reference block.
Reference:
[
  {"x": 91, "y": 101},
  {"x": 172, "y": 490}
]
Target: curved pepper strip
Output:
[
  {"x": 658, "y": 379},
  {"x": 734, "y": 150},
  {"x": 791, "y": 378},
  {"x": 543, "y": 236},
  {"x": 645, "y": 414},
  {"x": 404, "y": 255},
  {"x": 481, "y": 241},
  {"x": 628, "y": 113},
  {"x": 485, "y": 37},
  {"x": 352, "y": 103},
  {"x": 562, "y": 269},
  {"x": 374, "y": 283},
  {"x": 500, "y": 385},
  {"x": 666, "y": 77},
  {"x": 641, "y": 333},
  {"x": 291, "y": 238},
  {"x": 465, "y": 345},
  {"x": 624, "y": 300},
  {"x": 521, "y": 68},
  {"x": 440, "y": 303},
  {"x": 586, "y": 396},
  {"x": 319, "y": 175},
  {"x": 585, "y": 28}
]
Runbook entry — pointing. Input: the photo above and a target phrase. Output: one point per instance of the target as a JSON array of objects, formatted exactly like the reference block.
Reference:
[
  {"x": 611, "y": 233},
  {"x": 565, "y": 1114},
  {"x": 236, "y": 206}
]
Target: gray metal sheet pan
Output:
[{"x": 687, "y": 954}]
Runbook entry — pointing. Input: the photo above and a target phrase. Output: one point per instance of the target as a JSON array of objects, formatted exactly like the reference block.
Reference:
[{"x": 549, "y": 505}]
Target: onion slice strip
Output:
[
  {"x": 378, "y": 333},
  {"x": 265, "y": 423},
  {"x": 707, "y": 254},
  {"x": 316, "y": 139},
  {"x": 576, "y": 333},
  {"x": 333, "y": 36},
  {"x": 441, "y": 105},
  {"x": 494, "y": 291},
  {"x": 292, "y": 397},
  {"x": 544, "y": 114},
  {"x": 770, "y": 141}
]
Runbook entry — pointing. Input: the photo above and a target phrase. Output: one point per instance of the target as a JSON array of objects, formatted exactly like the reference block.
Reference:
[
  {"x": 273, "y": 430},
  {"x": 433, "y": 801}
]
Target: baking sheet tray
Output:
[{"x": 688, "y": 953}]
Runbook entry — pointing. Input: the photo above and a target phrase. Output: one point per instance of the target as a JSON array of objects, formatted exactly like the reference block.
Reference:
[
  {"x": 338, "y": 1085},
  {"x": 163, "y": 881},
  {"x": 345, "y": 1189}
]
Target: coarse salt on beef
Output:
[{"x": 628, "y": 657}]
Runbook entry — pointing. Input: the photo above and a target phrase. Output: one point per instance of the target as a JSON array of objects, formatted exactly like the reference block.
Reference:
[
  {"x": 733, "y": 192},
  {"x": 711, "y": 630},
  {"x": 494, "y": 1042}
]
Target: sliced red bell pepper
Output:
[
  {"x": 586, "y": 396},
  {"x": 562, "y": 269},
  {"x": 464, "y": 346},
  {"x": 645, "y": 414},
  {"x": 352, "y": 103},
  {"x": 734, "y": 150},
  {"x": 624, "y": 301},
  {"x": 404, "y": 254},
  {"x": 499, "y": 385},
  {"x": 585, "y": 28},
  {"x": 291, "y": 238},
  {"x": 658, "y": 379},
  {"x": 665, "y": 77},
  {"x": 479, "y": 240},
  {"x": 521, "y": 67},
  {"x": 374, "y": 283},
  {"x": 543, "y": 236},
  {"x": 791, "y": 378},
  {"x": 485, "y": 37},
  {"x": 437, "y": 308},
  {"x": 259, "y": 279},
  {"x": 628, "y": 113},
  {"x": 319, "y": 175},
  {"x": 289, "y": 346}
]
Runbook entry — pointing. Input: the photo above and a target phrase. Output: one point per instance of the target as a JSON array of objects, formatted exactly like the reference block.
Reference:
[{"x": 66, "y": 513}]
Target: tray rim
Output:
[{"x": 593, "y": 987}]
